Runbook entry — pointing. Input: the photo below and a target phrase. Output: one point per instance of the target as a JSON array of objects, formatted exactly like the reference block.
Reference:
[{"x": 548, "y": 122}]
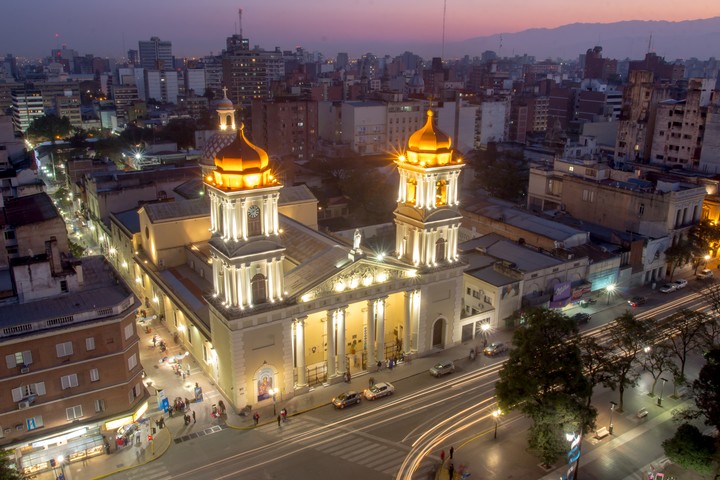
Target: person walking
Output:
[
  {"x": 256, "y": 418},
  {"x": 452, "y": 450},
  {"x": 279, "y": 419},
  {"x": 451, "y": 470},
  {"x": 442, "y": 456},
  {"x": 194, "y": 421}
]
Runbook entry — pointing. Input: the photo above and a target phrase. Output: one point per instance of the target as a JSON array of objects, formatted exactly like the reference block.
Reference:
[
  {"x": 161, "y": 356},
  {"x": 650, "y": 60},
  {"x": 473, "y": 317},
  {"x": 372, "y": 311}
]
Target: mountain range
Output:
[{"x": 627, "y": 39}]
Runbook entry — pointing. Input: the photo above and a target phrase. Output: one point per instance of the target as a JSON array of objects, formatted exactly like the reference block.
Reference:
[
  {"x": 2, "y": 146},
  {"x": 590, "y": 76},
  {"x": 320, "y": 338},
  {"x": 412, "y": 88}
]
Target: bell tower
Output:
[
  {"x": 245, "y": 245},
  {"x": 427, "y": 218}
]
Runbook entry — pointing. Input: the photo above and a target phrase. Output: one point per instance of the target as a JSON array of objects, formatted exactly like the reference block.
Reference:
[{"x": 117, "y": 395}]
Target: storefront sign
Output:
[
  {"x": 143, "y": 408},
  {"x": 60, "y": 438},
  {"x": 115, "y": 424}
]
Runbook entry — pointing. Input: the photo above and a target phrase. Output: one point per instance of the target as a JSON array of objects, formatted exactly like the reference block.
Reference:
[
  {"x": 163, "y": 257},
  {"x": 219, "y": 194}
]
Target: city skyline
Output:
[{"x": 328, "y": 27}]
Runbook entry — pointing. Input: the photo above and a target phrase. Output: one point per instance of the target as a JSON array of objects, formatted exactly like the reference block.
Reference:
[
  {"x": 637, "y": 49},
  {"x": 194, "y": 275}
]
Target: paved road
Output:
[{"x": 425, "y": 416}]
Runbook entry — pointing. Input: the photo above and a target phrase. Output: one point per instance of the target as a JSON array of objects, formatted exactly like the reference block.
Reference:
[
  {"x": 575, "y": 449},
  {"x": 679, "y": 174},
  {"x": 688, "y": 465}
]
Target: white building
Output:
[
  {"x": 161, "y": 86},
  {"x": 195, "y": 80},
  {"x": 27, "y": 105},
  {"x": 458, "y": 119},
  {"x": 492, "y": 122}
]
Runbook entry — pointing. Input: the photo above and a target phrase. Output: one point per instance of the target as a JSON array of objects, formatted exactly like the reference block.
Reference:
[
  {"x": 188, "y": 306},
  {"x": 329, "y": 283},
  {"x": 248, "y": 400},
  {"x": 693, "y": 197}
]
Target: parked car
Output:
[
  {"x": 346, "y": 398},
  {"x": 581, "y": 318},
  {"x": 495, "y": 349},
  {"x": 637, "y": 301},
  {"x": 379, "y": 390},
  {"x": 705, "y": 274},
  {"x": 442, "y": 368},
  {"x": 682, "y": 283},
  {"x": 668, "y": 288}
]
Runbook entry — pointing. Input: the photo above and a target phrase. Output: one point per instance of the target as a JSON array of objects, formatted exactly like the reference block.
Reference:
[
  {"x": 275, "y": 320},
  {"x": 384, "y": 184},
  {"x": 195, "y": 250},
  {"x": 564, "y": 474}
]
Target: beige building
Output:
[{"x": 269, "y": 305}]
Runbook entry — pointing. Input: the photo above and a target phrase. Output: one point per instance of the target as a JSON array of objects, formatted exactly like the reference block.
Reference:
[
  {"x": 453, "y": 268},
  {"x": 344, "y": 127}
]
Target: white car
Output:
[
  {"x": 379, "y": 390},
  {"x": 705, "y": 274},
  {"x": 682, "y": 283},
  {"x": 668, "y": 288}
]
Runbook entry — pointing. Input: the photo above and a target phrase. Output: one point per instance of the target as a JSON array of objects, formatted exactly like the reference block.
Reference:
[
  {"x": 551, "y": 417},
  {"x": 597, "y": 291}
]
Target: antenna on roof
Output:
[
  {"x": 240, "y": 20},
  {"x": 442, "y": 50},
  {"x": 650, "y": 43}
]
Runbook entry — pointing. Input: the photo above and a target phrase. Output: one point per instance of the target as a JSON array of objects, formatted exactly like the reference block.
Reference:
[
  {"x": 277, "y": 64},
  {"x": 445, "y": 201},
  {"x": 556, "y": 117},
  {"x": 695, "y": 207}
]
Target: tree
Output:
[
  {"x": 705, "y": 237},
  {"x": 680, "y": 254},
  {"x": 503, "y": 174},
  {"x": 690, "y": 449},
  {"x": 656, "y": 361},
  {"x": 707, "y": 388},
  {"x": 597, "y": 362},
  {"x": 7, "y": 472},
  {"x": 543, "y": 378},
  {"x": 49, "y": 128},
  {"x": 629, "y": 336},
  {"x": 685, "y": 327}
]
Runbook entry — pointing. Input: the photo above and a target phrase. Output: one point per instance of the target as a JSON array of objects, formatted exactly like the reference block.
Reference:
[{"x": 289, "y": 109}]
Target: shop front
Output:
[{"x": 78, "y": 444}]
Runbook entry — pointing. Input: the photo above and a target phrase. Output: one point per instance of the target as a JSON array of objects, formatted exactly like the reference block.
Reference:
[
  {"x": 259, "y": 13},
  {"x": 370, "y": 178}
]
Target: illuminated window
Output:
[
  {"x": 412, "y": 192},
  {"x": 440, "y": 250},
  {"x": 441, "y": 193}
]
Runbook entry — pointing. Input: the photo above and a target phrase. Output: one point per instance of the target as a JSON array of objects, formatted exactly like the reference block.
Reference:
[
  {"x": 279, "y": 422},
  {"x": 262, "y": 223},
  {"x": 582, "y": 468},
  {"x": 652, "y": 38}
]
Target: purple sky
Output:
[{"x": 110, "y": 28}]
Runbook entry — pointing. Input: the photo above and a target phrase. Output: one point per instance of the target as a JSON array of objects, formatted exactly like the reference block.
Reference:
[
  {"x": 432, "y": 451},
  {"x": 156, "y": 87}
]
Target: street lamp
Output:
[
  {"x": 496, "y": 414},
  {"x": 612, "y": 409},
  {"x": 60, "y": 461},
  {"x": 610, "y": 289},
  {"x": 485, "y": 329},
  {"x": 659, "y": 401},
  {"x": 273, "y": 392}
]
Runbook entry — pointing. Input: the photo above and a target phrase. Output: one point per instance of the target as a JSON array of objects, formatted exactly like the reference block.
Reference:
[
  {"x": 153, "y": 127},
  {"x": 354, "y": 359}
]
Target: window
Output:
[
  {"x": 134, "y": 393},
  {"x": 28, "y": 390},
  {"x": 259, "y": 289},
  {"x": 74, "y": 412},
  {"x": 94, "y": 375},
  {"x": 63, "y": 286},
  {"x": 190, "y": 330},
  {"x": 69, "y": 381},
  {"x": 64, "y": 349},
  {"x": 99, "y": 406},
  {"x": 18, "y": 358},
  {"x": 128, "y": 330},
  {"x": 440, "y": 250},
  {"x": 642, "y": 209},
  {"x": 132, "y": 361},
  {"x": 90, "y": 343}
]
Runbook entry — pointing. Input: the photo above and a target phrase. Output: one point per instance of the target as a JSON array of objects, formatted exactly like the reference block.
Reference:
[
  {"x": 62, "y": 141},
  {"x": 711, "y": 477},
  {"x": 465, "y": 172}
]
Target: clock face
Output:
[{"x": 253, "y": 211}]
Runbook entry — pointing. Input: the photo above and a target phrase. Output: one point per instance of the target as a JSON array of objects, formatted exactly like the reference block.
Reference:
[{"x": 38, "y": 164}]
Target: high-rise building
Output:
[
  {"x": 244, "y": 71},
  {"x": 161, "y": 85},
  {"x": 27, "y": 105},
  {"x": 155, "y": 54}
]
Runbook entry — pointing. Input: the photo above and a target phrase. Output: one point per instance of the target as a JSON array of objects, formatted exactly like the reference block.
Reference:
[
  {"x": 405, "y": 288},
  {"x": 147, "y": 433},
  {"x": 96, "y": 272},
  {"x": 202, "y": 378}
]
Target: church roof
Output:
[
  {"x": 241, "y": 155},
  {"x": 216, "y": 143},
  {"x": 428, "y": 139},
  {"x": 164, "y": 211}
]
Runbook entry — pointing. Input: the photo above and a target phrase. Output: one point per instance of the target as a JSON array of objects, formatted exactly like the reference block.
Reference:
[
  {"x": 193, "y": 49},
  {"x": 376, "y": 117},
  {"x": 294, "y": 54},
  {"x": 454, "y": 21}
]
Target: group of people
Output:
[{"x": 389, "y": 363}]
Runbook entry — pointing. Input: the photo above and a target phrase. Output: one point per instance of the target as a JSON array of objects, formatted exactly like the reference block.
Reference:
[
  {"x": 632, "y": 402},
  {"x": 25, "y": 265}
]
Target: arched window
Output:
[
  {"x": 440, "y": 250},
  {"x": 259, "y": 289},
  {"x": 412, "y": 192},
  {"x": 228, "y": 121},
  {"x": 441, "y": 193}
]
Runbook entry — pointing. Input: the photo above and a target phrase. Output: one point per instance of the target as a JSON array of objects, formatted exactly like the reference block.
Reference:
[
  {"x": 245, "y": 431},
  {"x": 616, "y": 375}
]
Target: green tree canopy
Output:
[
  {"x": 543, "y": 378},
  {"x": 49, "y": 128},
  {"x": 6, "y": 471},
  {"x": 690, "y": 449},
  {"x": 707, "y": 388}
]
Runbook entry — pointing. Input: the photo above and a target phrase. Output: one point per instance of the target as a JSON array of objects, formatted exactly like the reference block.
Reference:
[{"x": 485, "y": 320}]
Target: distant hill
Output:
[{"x": 672, "y": 40}]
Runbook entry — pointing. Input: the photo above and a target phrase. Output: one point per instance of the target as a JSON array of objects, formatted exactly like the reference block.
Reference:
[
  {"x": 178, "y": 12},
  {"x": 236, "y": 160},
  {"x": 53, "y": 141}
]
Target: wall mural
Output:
[{"x": 264, "y": 383}]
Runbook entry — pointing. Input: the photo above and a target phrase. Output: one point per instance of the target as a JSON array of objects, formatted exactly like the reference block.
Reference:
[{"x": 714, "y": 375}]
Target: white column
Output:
[
  {"x": 212, "y": 213},
  {"x": 239, "y": 288},
  {"x": 233, "y": 213},
  {"x": 270, "y": 280},
  {"x": 415, "y": 320},
  {"x": 276, "y": 226},
  {"x": 381, "y": 329},
  {"x": 216, "y": 275},
  {"x": 406, "y": 323},
  {"x": 246, "y": 284},
  {"x": 226, "y": 277},
  {"x": 402, "y": 189},
  {"x": 340, "y": 325},
  {"x": 370, "y": 347},
  {"x": 330, "y": 324},
  {"x": 300, "y": 351},
  {"x": 233, "y": 285},
  {"x": 279, "y": 284},
  {"x": 243, "y": 220},
  {"x": 416, "y": 247}
]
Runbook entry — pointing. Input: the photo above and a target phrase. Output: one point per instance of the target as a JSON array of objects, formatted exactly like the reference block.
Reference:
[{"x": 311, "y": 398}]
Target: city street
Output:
[{"x": 407, "y": 431}]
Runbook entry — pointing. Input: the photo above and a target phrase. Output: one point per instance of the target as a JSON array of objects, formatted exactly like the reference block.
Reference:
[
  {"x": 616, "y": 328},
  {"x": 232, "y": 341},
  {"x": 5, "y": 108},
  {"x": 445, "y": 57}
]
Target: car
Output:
[
  {"x": 581, "y": 318},
  {"x": 495, "y": 349},
  {"x": 442, "y": 368},
  {"x": 379, "y": 390},
  {"x": 668, "y": 288},
  {"x": 682, "y": 283},
  {"x": 637, "y": 301},
  {"x": 346, "y": 398},
  {"x": 705, "y": 274}
]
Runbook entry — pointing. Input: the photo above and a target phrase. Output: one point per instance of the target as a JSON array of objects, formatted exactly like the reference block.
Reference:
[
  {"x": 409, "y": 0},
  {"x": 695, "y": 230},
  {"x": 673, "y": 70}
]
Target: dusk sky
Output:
[{"x": 196, "y": 28}]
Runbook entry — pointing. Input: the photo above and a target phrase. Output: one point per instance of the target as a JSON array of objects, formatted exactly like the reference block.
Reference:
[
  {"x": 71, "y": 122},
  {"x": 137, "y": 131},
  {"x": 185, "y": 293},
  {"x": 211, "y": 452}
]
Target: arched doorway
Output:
[
  {"x": 438, "y": 333},
  {"x": 259, "y": 289}
]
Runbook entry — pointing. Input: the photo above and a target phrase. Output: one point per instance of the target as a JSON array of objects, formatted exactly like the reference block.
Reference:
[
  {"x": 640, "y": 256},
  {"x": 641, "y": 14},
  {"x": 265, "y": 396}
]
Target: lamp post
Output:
[
  {"x": 612, "y": 409},
  {"x": 610, "y": 289},
  {"x": 662, "y": 387},
  {"x": 61, "y": 462},
  {"x": 485, "y": 329},
  {"x": 496, "y": 415},
  {"x": 273, "y": 392}
]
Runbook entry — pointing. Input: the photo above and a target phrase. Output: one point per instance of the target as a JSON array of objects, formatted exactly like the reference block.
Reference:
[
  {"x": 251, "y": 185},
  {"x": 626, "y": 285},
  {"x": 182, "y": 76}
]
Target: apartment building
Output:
[{"x": 27, "y": 105}]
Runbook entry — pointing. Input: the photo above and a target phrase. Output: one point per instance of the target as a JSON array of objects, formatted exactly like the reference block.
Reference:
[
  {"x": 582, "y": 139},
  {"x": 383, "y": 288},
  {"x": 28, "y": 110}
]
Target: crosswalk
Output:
[
  {"x": 360, "y": 449},
  {"x": 151, "y": 471}
]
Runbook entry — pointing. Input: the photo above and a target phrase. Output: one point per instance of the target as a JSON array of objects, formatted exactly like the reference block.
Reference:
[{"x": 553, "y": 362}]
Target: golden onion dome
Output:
[
  {"x": 241, "y": 155},
  {"x": 428, "y": 139}
]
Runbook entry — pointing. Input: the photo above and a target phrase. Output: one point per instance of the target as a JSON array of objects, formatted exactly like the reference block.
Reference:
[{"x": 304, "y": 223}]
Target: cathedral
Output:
[{"x": 286, "y": 307}]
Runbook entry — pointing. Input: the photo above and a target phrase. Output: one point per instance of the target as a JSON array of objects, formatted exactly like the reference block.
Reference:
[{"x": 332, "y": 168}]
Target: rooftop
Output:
[{"x": 30, "y": 209}]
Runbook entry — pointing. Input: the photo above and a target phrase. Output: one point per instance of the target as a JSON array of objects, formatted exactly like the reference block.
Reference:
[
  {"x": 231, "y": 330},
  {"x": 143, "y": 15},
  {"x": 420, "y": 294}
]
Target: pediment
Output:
[{"x": 361, "y": 274}]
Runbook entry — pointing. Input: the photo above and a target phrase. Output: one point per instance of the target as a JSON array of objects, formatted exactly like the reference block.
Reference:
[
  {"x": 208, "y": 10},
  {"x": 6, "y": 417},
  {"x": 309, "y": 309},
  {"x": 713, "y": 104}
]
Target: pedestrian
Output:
[
  {"x": 451, "y": 470},
  {"x": 194, "y": 421},
  {"x": 154, "y": 340},
  {"x": 256, "y": 418},
  {"x": 442, "y": 456},
  {"x": 279, "y": 419},
  {"x": 379, "y": 365},
  {"x": 221, "y": 404},
  {"x": 187, "y": 403},
  {"x": 371, "y": 382},
  {"x": 452, "y": 450}
]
